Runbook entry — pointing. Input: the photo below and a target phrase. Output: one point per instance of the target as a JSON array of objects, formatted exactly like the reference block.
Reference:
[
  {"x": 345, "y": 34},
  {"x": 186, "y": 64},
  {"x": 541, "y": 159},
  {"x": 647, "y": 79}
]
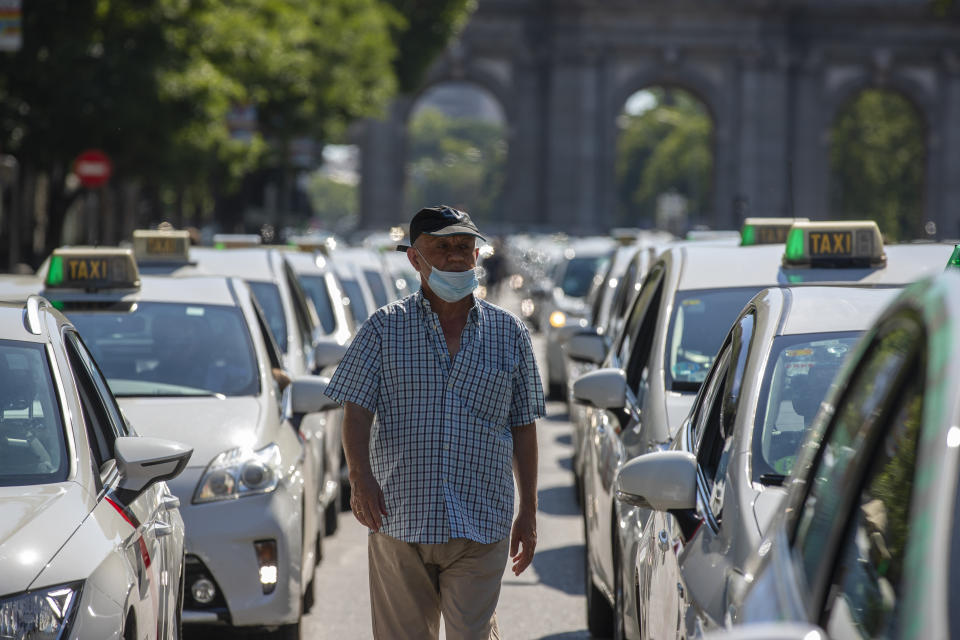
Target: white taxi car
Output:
[
  {"x": 192, "y": 359},
  {"x": 91, "y": 537},
  {"x": 734, "y": 451},
  {"x": 866, "y": 544}
]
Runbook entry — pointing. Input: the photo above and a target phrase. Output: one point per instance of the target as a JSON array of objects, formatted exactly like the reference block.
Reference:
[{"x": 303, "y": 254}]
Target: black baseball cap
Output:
[{"x": 441, "y": 221}]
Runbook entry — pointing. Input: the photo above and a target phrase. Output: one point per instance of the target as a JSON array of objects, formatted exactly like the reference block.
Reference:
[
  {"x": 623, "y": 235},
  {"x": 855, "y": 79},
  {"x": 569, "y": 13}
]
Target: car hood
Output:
[
  {"x": 36, "y": 521},
  {"x": 766, "y": 505},
  {"x": 208, "y": 424}
]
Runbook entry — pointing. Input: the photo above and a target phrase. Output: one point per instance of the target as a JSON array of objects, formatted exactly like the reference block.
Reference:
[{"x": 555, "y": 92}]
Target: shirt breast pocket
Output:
[{"x": 486, "y": 393}]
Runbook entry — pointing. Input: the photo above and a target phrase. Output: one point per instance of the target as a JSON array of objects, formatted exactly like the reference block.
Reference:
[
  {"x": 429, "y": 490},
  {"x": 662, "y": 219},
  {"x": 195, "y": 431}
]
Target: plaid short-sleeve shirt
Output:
[{"x": 441, "y": 446}]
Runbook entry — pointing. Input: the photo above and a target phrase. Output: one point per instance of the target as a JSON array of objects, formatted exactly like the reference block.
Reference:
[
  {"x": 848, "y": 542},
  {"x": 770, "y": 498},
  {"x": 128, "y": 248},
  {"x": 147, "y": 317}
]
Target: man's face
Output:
[{"x": 446, "y": 253}]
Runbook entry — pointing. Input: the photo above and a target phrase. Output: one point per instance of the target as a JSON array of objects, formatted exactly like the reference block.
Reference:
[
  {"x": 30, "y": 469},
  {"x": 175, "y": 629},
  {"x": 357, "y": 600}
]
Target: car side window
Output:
[
  {"x": 867, "y": 582},
  {"x": 708, "y": 436},
  {"x": 651, "y": 285},
  {"x": 306, "y": 316},
  {"x": 860, "y": 409},
  {"x": 637, "y": 364},
  {"x": 96, "y": 416}
]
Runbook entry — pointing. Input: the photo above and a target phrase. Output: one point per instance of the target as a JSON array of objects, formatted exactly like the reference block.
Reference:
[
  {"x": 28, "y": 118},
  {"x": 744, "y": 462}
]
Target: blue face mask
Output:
[{"x": 451, "y": 286}]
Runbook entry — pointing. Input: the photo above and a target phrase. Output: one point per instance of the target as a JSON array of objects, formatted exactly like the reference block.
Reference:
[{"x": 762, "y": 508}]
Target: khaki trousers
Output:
[{"x": 412, "y": 584}]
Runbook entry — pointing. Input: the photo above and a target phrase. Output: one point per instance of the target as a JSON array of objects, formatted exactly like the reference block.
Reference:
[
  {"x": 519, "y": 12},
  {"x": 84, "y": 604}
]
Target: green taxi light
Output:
[
  {"x": 55, "y": 272},
  {"x": 794, "y": 249},
  {"x": 954, "y": 261},
  {"x": 748, "y": 235}
]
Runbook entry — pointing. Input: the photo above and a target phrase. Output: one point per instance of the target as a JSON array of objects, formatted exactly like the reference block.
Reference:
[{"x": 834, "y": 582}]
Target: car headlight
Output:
[
  {"x": 240, "y": 472},
  {"x": 558, "y": 319},
  {"x": 39, "y": 614}
]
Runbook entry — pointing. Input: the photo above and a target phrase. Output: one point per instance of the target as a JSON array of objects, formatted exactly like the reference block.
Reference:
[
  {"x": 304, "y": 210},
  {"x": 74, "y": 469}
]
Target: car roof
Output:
[
  {"x": 248, "y": 263},
  {"x": 213, "y": 290},
  {"x": 363, "y": 257},
  {"x": 813, "y": 309},
  {"x": 307, "y": 262},
  {"x": 719, "y": 266}
]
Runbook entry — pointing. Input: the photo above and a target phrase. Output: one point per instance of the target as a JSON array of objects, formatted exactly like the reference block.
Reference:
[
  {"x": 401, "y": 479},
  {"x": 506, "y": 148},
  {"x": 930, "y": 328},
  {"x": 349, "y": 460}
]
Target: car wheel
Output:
[{"x": 599, "y": 613}]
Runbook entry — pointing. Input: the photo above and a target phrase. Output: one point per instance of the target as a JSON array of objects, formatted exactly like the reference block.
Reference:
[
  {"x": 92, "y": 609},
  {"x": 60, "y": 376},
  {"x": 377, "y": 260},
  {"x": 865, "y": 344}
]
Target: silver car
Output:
[
  {"x": 305, "y": 348},
  {"x": 192, "y": 359},
  {"x": 739, "y": 443},
  {"x": 865, "y": 545},
  {"x": 92, "y": 539}
]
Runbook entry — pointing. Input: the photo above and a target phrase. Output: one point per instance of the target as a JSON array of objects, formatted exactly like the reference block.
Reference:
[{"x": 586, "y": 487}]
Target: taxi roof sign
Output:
[
  {"x": 848, "y": 243},
  {"x": 161, "y": 246},
  {"x": 92, "y": 269},
  {"x": 766, "y": 230},
  {"x": 236, "y": 240},
  {"x": 322, "y": 243}
]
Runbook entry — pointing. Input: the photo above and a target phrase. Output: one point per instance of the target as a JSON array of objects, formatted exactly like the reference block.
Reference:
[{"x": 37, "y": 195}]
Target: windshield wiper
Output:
[{"x": 772, "y": 479}]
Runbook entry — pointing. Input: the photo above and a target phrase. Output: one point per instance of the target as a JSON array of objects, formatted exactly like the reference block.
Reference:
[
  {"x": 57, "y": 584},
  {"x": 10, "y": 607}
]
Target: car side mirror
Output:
[
  {"x": 587, "y": 346},
  {"x": 308, "y": 395},
  {"x": 662, "y": 481},
  {"x": 328, "y": 353},
  {"x": 145, "y": 461},
  {"x": 604, "y": 388}
]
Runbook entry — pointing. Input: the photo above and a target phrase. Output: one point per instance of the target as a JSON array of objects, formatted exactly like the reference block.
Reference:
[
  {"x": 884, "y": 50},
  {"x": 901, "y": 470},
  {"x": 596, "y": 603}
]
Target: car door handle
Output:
[
  {"x": 162, "y": 529},
  {"x": 170, "y": 502},
  {"x": 663, "y": 540}
]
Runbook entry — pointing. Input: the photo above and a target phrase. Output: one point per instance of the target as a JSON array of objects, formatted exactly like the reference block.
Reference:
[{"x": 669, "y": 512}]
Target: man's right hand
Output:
[{"x": 366, "y": 500}]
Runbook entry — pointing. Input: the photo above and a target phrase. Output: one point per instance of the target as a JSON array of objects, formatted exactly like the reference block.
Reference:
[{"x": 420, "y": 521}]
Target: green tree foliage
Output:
[
  {"x": 456, "y": 161},
  {"x": 877, "y": 163},
  {"x": 423, "y": 33},
  {"x": 665, "y": 148},
  {"x": 151, "y": 82}
]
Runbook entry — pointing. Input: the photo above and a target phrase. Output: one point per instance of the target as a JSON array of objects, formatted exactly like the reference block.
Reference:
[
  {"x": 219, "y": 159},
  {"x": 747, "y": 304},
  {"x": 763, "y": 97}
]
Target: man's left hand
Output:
[{"x": 523, "y": 540}]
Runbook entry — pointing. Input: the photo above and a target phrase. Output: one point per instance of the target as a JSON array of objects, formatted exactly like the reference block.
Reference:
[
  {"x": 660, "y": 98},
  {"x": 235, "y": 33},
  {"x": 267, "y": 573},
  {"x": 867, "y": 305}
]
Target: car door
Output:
[
  {"x": 616, "y": 437},
  {"x": 664, "y": 613},
  {"x": 857, "y": 489},
  {"x": 706, "y": 564},
  {"x": 146, "y": 548}
]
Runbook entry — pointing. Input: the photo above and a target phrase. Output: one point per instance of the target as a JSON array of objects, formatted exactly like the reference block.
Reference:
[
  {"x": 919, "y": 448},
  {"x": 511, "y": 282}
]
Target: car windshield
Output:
[
  {"x": 376, "y": 287},
  {"x": 32, "y": 445},
  {"x": 319, "y": 293},
  {"x": 700, "y": 321},
  {"x": 268, "y": 295},
  {"x": 167, "y": 349},
  {"x": 355, "y": 294},
  {"x": 578, "y": 276},
  {"x": 798, "y": 375}
]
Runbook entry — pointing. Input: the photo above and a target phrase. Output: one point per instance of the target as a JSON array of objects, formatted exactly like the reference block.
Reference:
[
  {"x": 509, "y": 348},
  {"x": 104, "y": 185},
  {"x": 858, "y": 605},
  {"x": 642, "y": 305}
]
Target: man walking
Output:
[{"x": 441, "y": 393}]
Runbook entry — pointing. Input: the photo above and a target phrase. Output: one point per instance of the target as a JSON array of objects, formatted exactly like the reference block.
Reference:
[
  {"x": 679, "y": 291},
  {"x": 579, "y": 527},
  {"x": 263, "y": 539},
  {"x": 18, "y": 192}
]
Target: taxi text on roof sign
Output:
[
  {"x": 161, "y": 246},
  {"x": 766, "y": 230},
  {"x": 854, "y": 243},
  {"x": 90, "y": 268}
]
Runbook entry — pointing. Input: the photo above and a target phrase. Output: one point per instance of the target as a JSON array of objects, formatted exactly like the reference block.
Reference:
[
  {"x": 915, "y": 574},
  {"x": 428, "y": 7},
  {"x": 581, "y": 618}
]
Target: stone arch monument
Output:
[{"x": 772, "y": 73}]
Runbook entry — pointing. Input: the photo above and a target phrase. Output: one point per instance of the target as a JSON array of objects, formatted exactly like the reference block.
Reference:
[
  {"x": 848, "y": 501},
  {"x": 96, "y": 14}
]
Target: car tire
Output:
[{"x": 599, "y": 612}]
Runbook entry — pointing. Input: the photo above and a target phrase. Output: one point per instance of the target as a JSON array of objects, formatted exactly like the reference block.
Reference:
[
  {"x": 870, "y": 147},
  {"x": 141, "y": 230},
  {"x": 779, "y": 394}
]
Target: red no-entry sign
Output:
[{"x": 93, "y": 168}]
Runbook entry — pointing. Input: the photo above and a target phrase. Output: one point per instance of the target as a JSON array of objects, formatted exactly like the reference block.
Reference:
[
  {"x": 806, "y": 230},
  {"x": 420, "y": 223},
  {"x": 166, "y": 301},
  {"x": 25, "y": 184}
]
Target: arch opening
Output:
[
  {"x": 457, "y": 152},
  {"x": 878, "y": 163},
  {"x": 664, "y": 160}
]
